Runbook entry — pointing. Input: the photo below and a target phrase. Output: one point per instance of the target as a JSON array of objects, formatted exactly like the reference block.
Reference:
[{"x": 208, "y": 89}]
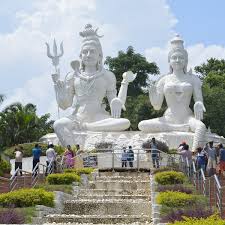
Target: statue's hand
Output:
[
  {"x": 55, "y": 77},
  {"x": 129, "y": 76},
  {"x": 199, "y": 108},
  {"x": 116, "y": 106},
  {"x": 152, "y": 90}
]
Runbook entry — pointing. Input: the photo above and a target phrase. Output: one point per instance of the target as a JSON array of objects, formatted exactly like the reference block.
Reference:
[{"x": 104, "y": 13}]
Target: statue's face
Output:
[
  {"x": 89, "y": 55},
  {"x": 177, "y": 60}
]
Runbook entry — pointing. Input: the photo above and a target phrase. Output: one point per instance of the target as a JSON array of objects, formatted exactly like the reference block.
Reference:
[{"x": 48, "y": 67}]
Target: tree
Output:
[
  {"x": 20, "y": 124},
  {"x": 213, "y": 76},
  {"x": 1, "y": 98},
  {"x": 135, "y": 62},
  {"x": 138, "y": 106}
]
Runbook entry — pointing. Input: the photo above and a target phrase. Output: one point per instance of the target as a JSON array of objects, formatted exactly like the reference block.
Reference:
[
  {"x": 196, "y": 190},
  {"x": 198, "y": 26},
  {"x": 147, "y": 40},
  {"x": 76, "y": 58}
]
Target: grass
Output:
[
  {"x": 67, "y": 188},
  {"x": 29, "y": 213}
]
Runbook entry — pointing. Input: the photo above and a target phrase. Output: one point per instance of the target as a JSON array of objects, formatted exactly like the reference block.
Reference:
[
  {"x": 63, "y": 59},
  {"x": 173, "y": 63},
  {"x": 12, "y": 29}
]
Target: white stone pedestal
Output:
[{"x": 87, "y": 140}]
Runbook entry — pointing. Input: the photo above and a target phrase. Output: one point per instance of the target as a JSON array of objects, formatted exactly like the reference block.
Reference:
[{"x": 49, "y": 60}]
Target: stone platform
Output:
[{"x": 87, "y": 140}]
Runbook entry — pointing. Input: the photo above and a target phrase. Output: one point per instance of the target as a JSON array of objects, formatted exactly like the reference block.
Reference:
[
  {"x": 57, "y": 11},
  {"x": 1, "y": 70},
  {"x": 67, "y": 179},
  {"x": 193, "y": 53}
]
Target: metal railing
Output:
[{"x": 205, "y": 185}]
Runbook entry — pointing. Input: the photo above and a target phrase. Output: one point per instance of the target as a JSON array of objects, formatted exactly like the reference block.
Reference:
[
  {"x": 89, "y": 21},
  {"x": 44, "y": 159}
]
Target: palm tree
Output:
[
  {"x": 20, "y": 124},
  {"x": 1, "y": 98}
]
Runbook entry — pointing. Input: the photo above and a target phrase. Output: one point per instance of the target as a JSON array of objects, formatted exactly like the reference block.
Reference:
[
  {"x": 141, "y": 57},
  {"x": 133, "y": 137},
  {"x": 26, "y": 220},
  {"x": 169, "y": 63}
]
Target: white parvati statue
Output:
[
  {"x": 177, "y": 87},
  {"x": 84, "y": 90}
]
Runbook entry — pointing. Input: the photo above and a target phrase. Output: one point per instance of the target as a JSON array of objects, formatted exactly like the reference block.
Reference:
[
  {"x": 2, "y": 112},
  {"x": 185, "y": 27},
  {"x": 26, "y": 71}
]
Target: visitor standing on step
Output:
[
  {"x": 130, "y": 157},
  {"x": 36, "y": 151},
  {"x": 18, "y": 159},
  {"x": 124, "y": 157},
  {"x": 222, "y": 159},
  {"x": 50, "y": 157},
  {"x": 212, "y": 159},
  {"x": 69, "y": 157},
  {"x": 201, "y": 159},
  {"x": 155, "y": 153}
]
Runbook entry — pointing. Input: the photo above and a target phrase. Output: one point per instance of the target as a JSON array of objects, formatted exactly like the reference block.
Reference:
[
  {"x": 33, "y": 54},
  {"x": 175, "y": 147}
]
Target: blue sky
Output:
[
  {"x": 148, "y": 25},
  {"x": 200, "y": 21}
]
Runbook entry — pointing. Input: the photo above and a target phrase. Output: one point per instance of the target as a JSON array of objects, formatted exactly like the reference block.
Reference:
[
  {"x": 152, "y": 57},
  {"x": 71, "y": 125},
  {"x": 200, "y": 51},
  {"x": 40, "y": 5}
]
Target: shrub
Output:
[
  {"x": 79, "y": 171},
  {"x": 170, "y": 177},
  {"x": 180, "y": 188},
  {"x": 104, "y": 145},
  {"x": 27, "y": 197},
  {"x": 11, "y": 216},
  {"x": 5, "y": 167},
  {"x": 176, "y": 199},
  {"x": 212, "y": 220},
  {"x": 27, "y": 149},
  {"x": 164, "y": 168},
  {"x": 162, "y": 146},
  {"x": 66, "y": 178},
  {"x": 178, "y": 215}
]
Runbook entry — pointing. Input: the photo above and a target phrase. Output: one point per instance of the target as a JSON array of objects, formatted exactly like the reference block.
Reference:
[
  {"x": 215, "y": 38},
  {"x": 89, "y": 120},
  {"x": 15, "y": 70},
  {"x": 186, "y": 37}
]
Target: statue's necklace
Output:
[{"x": 87, "y": 82}]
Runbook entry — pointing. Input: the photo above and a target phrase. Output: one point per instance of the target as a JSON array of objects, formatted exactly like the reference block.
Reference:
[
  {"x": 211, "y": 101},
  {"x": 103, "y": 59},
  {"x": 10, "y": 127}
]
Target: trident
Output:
[{"x": 55, "y": 57}]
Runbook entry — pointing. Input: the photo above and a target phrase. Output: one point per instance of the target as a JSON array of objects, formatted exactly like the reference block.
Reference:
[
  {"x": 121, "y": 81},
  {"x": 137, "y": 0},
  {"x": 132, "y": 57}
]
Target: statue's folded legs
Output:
[
  {"x": 65, "y": 127},
  {"x": 161, "y": 125},
  {"x": 110, "y": 124}
]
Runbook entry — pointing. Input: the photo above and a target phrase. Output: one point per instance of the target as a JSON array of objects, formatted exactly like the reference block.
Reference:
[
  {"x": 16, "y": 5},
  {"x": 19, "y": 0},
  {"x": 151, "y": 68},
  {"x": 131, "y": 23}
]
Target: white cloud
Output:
[
  {"x": 24, "y": 67},
  {"x": 197, "y": 54}
]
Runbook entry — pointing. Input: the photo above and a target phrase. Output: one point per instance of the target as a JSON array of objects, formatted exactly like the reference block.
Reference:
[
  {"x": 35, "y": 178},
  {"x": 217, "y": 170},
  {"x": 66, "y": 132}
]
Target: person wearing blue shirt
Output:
[
  {"x": 36, "y": 152},
  {"x": 222, "y": 159}
]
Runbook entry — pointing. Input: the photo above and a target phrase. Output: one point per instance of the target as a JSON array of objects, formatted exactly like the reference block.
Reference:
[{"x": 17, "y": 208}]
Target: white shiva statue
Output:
[
  {"x": 177, "y": 87},
  {"x": 84, "y": 90}
]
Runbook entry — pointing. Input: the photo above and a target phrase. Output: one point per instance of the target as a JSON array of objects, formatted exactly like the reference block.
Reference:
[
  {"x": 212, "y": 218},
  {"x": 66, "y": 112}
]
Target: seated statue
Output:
[
  {"x": 84, "y": 90},
  {"x": 177, "y": 87}
]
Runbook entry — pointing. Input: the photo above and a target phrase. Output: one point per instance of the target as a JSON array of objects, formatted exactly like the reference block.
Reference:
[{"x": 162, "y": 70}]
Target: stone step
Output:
[
  {"x": 90, "y": 192},
  {"x": 144, "y": 197},
  {"x": 125, "y": 185},
  {"x": 135, "y": 223},
  {"x": 97, "y": 219},
  {"x": 123, "y": 174},
  {"x": 124, "y": 178},
  {"x": 107, "y": 207}
]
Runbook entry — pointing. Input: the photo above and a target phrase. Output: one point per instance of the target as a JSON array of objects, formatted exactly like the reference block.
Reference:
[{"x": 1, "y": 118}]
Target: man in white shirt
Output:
[
  {"x": 18, "y": 159},
  {"x": 50, "y": 156}
]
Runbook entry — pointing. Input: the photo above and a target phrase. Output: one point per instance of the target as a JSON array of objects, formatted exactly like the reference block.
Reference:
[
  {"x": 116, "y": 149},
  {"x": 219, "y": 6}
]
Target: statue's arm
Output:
[
  {"x": 156, "y": 95},
  {"x": 64, "y": 91},
  {"x": 199, "y": 107}
]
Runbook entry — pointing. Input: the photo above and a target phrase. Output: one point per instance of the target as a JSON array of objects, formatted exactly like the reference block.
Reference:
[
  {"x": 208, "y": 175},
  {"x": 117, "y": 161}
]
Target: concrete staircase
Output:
[{"x": 112, "y": 198}]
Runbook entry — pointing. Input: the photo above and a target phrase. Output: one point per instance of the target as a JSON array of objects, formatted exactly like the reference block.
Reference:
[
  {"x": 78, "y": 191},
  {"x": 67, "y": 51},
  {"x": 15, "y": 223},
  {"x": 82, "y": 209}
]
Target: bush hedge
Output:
[
  {"x": 212, "y": 220},
  {"x": 27, "y": 149},
  {"x": 65, "y": 178},
  {"x": 162, "y": 146},
  {"x": 27, "y": 197},
  {"x": 178, "y": 215},
  {"x": 170, "y": 177},
  {"x": 164, "y": 168},
  {"x": 176, "y": 199},
  {"x": 5, "y": 167},
  {"x": 179, "y": 187},
  {"x": 79, "y": 171}
]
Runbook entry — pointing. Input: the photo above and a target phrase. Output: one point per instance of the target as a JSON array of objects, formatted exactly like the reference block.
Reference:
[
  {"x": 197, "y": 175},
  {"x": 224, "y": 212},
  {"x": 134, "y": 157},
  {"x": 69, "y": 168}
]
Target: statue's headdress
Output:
[
  {"x": 90, "y": 36},
  {"x": 177, "y": 45}
]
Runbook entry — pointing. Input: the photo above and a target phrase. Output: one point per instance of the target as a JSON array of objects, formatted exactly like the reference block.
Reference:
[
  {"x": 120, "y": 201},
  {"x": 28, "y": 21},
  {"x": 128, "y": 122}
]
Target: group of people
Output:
[
  {"x": 127, "y": 157},
  {"x": 210, "y": 158},
  {"x": 68, "y": 157}
]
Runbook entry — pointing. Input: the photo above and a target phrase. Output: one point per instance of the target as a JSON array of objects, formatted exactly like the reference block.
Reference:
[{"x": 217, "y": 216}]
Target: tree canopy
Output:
[
  {"x": 213, "y": 76},
  {"x": 135, "y": 62},
  {"x": 20, "y": 124}
]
